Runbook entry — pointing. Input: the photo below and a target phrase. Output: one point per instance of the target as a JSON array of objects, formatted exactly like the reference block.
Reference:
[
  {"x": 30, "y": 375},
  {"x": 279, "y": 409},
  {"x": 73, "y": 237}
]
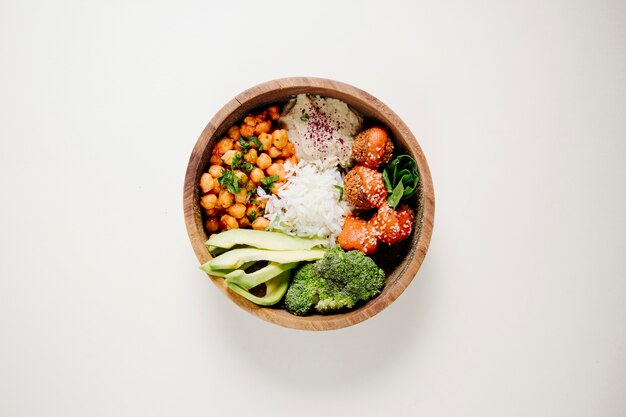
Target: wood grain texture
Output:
[{"x": 280, "y": 91}]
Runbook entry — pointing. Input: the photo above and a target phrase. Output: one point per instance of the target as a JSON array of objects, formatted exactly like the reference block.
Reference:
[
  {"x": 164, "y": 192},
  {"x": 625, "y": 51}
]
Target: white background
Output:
[{"x": 519, "y": 308}]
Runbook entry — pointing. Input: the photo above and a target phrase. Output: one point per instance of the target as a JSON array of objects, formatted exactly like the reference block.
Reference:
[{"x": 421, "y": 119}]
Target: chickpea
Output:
[
  {"x": 251, "y": 156},
  {"x": 208, "y": 201},
  {"x": 206, "y": 182},
  {"x": 262, "y": 127},
  {"x": 211, "y": 212},
  {"x": 229, "y": 222},
  {"x": 238, "y": 146},
  {"x": 242, "y": 178},
  {"x": 274, "y": 152},
  {"x": 260, "y": 223},
  {"x": 216, "y": 159},
  {"x": 263, "y": 161},
  {"x": 256, "y": 175},
  {"x": 293, "y": 160},
  {"x": 266, "y": 141},
  {"x": 217, "y": 187},
  {"x": 211, "y": 224},
  {"x": 273, "y": 113},
  {"x": 279, "y": 138},
  {"x": 262, "y": 116},
  {"x": 224, "y": 146},
  {"x": 288, "y": 150},
  {"x": 244, "y": 222},
  {"x": 261, "y": 203},
  {"x": 216, "y": 171},
  {"x": 246, "y": 131},
  {"x": 233, "y": 133},
  {"x": 228, "y": 156},
  {"x": 276, "y": 169},
  {"x": 225, "y": 199},
  {"x": 276, "y": 186},
  {"x": 279, "y": 161},
  {"x": 250, "y": 120},
  {"x": 241, "y": 196},
  {"x": 253, "y": 211},
  {"x": 237, "y": 210}
]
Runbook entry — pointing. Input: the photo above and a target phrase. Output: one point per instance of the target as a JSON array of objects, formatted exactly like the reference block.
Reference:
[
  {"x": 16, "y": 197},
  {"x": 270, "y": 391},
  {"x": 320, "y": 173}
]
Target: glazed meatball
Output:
[
  {"x": 364, "y": 188},
  {"x": 358, "y": 234},
  {"x": 393, "y": 225},
  {"x": 372, "y": 147}
]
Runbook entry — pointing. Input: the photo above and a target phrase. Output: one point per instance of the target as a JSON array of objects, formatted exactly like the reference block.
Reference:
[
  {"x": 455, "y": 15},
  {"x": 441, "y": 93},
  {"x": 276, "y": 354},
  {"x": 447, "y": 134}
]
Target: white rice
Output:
[{"x": 308, "y": 203}]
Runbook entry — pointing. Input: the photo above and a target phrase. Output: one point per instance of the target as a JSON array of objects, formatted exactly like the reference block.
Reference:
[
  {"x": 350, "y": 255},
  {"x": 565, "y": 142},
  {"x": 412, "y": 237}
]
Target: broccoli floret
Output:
[
  {"x": 366, "y": 278},
  {"x": 338, "y": 281},
  {"x": 303, "y": 291}
]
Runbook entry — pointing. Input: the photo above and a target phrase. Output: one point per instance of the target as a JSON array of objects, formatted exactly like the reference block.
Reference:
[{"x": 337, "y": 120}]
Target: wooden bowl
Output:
[{"x": 400, "y": 262}]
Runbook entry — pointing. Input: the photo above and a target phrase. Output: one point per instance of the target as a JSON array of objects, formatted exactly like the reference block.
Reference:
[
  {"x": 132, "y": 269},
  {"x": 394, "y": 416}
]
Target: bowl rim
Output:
[{"x": 256, "y": 96}]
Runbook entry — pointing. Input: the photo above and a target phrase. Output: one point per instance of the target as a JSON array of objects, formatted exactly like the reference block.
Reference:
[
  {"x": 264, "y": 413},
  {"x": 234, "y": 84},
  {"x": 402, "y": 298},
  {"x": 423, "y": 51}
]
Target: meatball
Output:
[
  {"x": 364, "y": 188},
  {"x": 358, "y": 234},
  {"x": 393, "y": 225},
  {"x": 372, "y": 147},
  {"x": 355, "y": 193}
]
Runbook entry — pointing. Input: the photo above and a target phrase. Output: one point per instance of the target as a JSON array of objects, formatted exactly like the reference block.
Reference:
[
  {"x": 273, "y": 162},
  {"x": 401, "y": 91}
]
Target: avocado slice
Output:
[
  {"x": 222, "y": 272},
  {"x": 247, "y": 281},
  {"x": 262, "y": 240},
  {"x": 235, "y": 258},
  {"x": 276, "y": 289}
]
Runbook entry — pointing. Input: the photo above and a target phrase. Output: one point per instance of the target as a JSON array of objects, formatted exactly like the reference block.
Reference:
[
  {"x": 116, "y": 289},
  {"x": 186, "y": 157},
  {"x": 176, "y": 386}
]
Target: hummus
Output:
[{"x": 322, "y": 129}]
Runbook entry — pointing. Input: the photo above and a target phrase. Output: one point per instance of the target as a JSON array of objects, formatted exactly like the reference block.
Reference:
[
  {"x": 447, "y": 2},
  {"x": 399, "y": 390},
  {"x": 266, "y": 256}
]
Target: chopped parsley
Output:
[
  {"x": 305, "y": 117},
  {"x": 256, "y": 141},
  {"x": 266, "y": 183},
  {"x": 246, "y": 142},
  {"x": 252, "y": 215},
  {"x": 230, "y": 180},
  {"x": 340, "y": 188},
  {"x": 240, "y": 163}
]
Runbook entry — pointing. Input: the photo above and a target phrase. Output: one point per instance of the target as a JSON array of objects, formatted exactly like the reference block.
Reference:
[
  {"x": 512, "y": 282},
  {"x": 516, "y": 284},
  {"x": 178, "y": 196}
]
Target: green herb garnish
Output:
[
  {"x": 230, "y": 180},
  {"x": 252, "y": 216},
  {"x": 266, "y": 183},
  {"x": 305, "y": 117},
  {"x": 340, "y": 188},
  {"x": 239, "y": 163},
  {"x": 256, "y": 141},
  {"x": 401, "y": 178},
  {"x": 246, "y": 142}
]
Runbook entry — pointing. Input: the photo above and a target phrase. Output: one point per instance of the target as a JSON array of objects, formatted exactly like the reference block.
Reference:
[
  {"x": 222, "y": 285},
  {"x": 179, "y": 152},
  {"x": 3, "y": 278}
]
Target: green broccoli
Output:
[{"x": 337, "y": 281}]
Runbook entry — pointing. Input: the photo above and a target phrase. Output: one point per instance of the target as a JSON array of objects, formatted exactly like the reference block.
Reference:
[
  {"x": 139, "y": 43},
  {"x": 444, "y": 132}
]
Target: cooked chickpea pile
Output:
[{"x": 251, "y": 155}]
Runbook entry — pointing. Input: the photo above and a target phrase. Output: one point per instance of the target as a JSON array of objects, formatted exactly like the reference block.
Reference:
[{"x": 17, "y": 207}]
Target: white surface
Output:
[{"x": 518, "y": 309}]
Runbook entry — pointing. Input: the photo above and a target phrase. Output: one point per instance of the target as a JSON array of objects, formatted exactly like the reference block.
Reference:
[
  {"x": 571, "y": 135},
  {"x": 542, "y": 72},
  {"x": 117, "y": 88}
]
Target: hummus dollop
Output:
[{"x": 322, "y": 129}]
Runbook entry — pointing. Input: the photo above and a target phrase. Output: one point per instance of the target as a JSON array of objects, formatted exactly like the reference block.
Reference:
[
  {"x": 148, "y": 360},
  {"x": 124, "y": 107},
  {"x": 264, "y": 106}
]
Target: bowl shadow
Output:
[{"x": 326, "y": 361}]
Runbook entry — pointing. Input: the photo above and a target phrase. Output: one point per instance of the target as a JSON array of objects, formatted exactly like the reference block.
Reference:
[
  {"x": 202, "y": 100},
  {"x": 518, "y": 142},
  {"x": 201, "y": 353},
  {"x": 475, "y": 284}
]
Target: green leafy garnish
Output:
[
  {"x": 252, "y": 216},
  {"x": 240, "y": 163},
  {"x": 267, "y": 182},
  {"x": 401, "y": 179},
  {"x": 396, "y": 195},
  {"x": 230, "y": 180},
  {"x": 255, "y": 141},
  {"x": 340, "y": 188},
  {"x": 244, "y": 144},
  {"x": 305, "y": 117}
]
